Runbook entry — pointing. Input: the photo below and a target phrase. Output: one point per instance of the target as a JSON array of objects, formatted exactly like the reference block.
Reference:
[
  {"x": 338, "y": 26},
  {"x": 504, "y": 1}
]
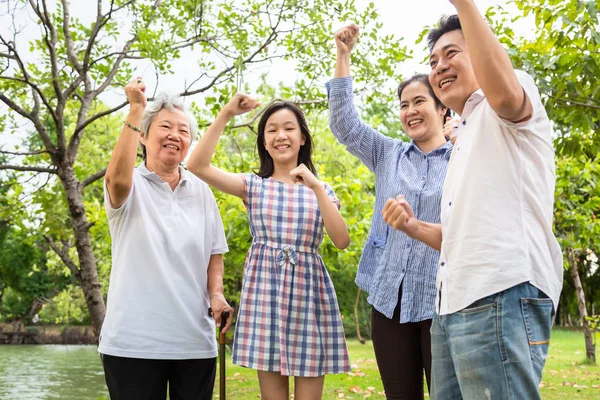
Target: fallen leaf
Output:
[{"x": 355, "y": 389}]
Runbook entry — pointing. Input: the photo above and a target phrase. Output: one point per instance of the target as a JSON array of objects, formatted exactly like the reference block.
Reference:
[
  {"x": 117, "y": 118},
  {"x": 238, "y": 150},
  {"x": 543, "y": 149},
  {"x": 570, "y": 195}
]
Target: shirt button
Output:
[
  {"x": 450, "y": 203},
  {"x": 442, "y": 263},
  {"x": 464, "y": 122},
  {"x": 407, "y": 245},
  {"x": 425, "y": 157}
]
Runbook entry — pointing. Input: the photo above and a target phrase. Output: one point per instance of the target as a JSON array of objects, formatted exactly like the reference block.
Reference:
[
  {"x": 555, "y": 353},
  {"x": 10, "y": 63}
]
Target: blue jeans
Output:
[{"x": 494, "y": 349}]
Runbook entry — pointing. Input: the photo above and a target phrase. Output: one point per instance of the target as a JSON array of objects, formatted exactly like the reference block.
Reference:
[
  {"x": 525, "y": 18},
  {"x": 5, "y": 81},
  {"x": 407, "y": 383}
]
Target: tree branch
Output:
[
  {"x": 28, "y": 168},
  {"x": 50, "y": 39},
  {"x": 81, "y": 122},
  {"x": 15, "y": 107},
  {"x": 8, "y": 55},
  {"x": 63, "y": 254},
  {"x": 268, "y": 41},
  {"x": 81, "y": 127},
  {"x": 25, "y": 153},
  {"x": 92, "y": 178},
  {"x": 41, "y": 129},
  {"x": 26, "y": 78},
  {"x": 68, "y": 40},
  {"x": 575, "y": 103}
]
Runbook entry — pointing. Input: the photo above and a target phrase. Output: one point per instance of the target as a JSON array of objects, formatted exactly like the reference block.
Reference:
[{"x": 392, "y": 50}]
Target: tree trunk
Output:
[
  {"x": 590, "y": 350},
  {"x": 87, "y": 261}
]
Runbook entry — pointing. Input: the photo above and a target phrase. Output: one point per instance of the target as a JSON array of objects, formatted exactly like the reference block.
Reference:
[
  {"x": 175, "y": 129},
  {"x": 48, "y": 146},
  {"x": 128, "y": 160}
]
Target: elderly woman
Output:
[{"x": 167, "y": 265}]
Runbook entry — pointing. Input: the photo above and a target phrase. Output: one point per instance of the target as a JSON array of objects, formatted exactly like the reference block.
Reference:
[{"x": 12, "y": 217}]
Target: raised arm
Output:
[
  {"x": 360, "y": 139},
  {"x": 492, "y": 66},
  {"x": 332, "y": 219},
  {"x": 119, "y": 173},
  {"x": 345, "y": 39},
  {"x": 200, "y": 160},
  {"x": 399, "y": 215}
]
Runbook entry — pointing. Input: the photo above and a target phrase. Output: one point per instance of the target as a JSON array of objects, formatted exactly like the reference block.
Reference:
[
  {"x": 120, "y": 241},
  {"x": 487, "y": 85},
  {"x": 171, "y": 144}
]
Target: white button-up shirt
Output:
[{"x": 497, "y": 206}]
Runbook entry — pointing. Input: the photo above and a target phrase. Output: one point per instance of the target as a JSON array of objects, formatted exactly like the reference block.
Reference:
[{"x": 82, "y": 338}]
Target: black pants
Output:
[
  {"x": 135, "y": 378},
  {"x": 403, "y": 351}
]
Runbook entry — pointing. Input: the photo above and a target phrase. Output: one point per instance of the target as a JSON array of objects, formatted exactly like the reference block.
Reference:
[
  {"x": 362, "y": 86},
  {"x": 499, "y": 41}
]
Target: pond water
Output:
[{"x": 36, "y": 372}]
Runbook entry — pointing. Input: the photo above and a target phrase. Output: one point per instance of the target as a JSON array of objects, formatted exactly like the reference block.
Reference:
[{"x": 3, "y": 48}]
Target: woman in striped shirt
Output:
[{"x": 397, "y": 272}]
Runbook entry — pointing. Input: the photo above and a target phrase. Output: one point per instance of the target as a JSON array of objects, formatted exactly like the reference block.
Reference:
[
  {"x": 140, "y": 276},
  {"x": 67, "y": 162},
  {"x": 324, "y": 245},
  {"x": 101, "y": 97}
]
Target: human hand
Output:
[
  {"x": 399, "y": 215},
  {"x": 301, "y": 174},
  {"x": 448, "y": 131},
  {"x": 135, "y": 92},
  {"x": 218, "y": 304},
  {"x": 239, "y": 104},
  {"x": 346, "y": 38}
]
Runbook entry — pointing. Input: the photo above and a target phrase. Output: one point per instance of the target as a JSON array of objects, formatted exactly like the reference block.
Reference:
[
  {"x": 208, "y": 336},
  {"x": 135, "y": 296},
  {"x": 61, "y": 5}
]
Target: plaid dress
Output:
[{"x": 288, "y": 320}]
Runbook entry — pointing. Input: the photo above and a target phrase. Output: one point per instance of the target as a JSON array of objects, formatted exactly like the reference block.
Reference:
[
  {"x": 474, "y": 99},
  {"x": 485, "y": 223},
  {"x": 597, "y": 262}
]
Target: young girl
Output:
[{"x": 288, "y": 323}]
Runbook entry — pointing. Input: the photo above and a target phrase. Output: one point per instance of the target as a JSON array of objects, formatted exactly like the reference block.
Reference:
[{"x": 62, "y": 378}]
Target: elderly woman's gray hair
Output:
[{"x": 170, "y": 103}]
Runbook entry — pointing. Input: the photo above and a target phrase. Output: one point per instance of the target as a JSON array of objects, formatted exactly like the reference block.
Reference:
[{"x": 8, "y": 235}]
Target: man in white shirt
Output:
[
  {"x": 500, "y": 271},
  {"x": 167, "y": 264}
]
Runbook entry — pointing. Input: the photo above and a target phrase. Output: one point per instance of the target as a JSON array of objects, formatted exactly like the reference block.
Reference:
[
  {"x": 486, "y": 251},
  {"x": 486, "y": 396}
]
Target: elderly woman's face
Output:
[{"x": 169, "y": 137}]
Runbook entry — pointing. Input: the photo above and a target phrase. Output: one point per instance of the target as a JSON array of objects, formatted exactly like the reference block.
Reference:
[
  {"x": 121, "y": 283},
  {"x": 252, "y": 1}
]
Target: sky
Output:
[{"x": 402, "y": 18}]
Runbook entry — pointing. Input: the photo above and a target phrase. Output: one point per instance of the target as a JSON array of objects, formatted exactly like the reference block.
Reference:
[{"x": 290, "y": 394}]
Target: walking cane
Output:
[{"x": 222, "y": 342}]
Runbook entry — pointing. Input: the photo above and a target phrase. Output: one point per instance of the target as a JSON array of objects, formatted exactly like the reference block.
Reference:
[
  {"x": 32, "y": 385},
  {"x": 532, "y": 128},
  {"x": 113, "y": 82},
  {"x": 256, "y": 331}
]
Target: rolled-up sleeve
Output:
[{"x": 360, "y": 139}]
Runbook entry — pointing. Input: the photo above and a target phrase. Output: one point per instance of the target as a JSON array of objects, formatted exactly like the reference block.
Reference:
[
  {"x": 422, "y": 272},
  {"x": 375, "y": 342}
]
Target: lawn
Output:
[{"x": 566, "y": 374}]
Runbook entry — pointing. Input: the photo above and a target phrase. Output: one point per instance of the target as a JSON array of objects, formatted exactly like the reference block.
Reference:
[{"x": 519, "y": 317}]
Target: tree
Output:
[
  {"x": 564, "y": 61},
  {"x": 71, "y": 64},
  {"x": 577, "y": 226}
]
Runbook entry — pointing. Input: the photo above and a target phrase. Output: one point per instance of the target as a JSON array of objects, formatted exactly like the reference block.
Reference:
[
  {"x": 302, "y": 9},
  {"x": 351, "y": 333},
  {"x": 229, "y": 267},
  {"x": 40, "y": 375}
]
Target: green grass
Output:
[{"x": 566, "y": 375}]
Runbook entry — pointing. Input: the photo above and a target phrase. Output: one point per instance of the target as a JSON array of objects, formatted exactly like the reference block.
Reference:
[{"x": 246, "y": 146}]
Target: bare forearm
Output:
[
  {"x": 428, "y": 233},
  {"x": 205, "y": 149},
  {"x": 332, "y": 219},
  {"x": 215, "y": 275},
  {"x": 491, "y": 64},
  {"x": 119, "y": 173},
  {"x": 342, "y": 65}
]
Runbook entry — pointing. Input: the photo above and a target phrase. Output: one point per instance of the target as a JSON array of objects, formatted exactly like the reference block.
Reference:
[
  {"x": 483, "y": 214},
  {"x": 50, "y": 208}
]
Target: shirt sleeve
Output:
[
  {"x": 332, "y": 196},
  {"x": 364, "y": 142},
  {"x": 248, "y": 188},
  {"x": 112, "y": 212},
  {"x": 219, "y": 243},
  {"x": 533, "y": 94}
]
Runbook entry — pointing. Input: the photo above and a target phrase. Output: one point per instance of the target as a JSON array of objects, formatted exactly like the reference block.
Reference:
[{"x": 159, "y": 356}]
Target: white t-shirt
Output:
[
  {"x": 497, "y": 206},
  {"x": 162, "y": 241}
]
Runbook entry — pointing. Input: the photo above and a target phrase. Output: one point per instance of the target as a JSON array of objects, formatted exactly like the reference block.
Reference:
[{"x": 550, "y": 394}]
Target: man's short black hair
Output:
[{"x": 446, "y": 24}]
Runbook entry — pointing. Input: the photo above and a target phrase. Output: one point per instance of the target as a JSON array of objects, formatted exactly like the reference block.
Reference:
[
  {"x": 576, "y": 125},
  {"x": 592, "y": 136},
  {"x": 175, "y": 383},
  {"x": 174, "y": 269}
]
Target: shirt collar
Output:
[
  {"x": 442, "y": 149},
  {"x": 473, "y": 100},
  {"x": 152, "y": 176}
]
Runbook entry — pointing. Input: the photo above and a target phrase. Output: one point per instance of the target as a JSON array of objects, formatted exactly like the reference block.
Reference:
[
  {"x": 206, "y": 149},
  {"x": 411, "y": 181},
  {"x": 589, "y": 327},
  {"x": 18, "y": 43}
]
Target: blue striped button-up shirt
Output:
[{"x": 390, "y": 257}]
